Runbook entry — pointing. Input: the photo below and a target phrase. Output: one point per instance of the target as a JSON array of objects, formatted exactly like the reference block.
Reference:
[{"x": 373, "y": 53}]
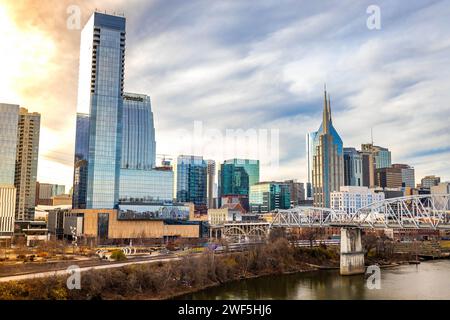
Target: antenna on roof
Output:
[{"x": 371, "y": 135}]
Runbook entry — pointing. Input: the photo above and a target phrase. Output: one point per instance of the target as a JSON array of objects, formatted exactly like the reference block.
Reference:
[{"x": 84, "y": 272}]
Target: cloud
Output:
[{"x": 234, "y": 64}]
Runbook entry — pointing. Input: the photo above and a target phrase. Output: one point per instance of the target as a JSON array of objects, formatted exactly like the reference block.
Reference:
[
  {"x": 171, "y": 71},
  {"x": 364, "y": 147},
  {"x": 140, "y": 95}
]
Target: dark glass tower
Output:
[
  {"x": 81, "y": 161},
  {"x": 191, "y": 179}
]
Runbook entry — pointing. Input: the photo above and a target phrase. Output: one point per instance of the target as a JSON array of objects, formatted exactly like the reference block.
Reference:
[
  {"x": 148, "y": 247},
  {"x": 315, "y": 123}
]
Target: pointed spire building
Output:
[{"x": 327, "y": 158}]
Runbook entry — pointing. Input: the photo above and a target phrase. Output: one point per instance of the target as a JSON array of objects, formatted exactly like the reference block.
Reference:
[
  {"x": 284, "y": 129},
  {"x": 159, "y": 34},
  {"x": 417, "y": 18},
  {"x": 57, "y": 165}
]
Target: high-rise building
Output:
[
  {"x": 328, "y": 160},
  {"x": 81, "y": 161},
  {"x": 352, "y": 167},
  {"x": 100, "y": 90},
  {"x": 309, "y": 163},
  {"x": 296, "y": 191},
  {"x": 26, "y": 163},
  {"x": 251, "y": 168},
  {"x": 138, "y": 136},
  {"x": 268, "y": 196},
  {"x": 408, "y": 179},
  {"x": 389, "y": 177},
  {"x": 191, "y": 179},
  {"x": 233, "y": 180},
  {"x": 428, "y": 181},
  {"x": 373, "y": 158},
  {"x": 9, "y": 118},
  {"x": 210, "y": 186},
  {"x": 116, "y": 148},
  {"x": 350, "y": 198}
]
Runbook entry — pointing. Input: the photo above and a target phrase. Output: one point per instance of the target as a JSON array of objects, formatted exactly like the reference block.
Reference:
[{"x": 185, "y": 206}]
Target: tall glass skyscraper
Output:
[
  {"x": 328, "y": 161},
  {"x": 81, "y": 161},
  {"x": 268, "y": 196},
  {"x": 250, "y": 166},
  {"x": 102, "y": 61},
  {"x": 115, "y": 149},
  {"x": 191, "y": 179}
]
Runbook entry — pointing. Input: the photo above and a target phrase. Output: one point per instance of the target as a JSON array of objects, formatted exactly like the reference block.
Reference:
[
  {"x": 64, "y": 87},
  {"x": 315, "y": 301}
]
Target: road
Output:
[{"x": 65, "y": 272}]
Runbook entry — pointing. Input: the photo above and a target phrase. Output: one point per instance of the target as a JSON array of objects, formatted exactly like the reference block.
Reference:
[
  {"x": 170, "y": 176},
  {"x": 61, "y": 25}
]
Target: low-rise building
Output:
[{"x": 350, "y": 198}]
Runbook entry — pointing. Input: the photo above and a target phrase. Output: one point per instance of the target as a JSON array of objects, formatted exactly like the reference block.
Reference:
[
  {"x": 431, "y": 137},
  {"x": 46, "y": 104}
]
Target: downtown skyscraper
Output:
[
  {"x": 115, "y": 145},
  {"x": 327, "y": 159}
]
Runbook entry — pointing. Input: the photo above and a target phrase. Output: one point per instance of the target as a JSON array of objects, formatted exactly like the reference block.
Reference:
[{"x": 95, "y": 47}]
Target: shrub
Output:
[{"x": 118, "y": 255}]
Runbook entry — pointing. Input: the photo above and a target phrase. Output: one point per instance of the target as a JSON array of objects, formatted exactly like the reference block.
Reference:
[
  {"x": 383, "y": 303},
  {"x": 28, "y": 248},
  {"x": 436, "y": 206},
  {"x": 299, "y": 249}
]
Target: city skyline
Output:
[{"x": 384, "y": 89}]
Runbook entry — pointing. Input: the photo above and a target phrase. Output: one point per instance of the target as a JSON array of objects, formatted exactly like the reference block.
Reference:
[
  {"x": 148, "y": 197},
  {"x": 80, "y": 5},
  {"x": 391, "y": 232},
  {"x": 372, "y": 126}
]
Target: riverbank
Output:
[{"x": 164, "y": 280}]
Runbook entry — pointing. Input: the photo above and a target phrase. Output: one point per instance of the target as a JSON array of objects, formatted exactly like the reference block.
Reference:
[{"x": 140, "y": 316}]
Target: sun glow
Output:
[{"x": 25, "y": 58}]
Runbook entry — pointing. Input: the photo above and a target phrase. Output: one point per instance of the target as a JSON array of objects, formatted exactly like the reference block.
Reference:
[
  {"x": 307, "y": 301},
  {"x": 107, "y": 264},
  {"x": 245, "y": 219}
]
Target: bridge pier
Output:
[{"x": 352, "y": 254}]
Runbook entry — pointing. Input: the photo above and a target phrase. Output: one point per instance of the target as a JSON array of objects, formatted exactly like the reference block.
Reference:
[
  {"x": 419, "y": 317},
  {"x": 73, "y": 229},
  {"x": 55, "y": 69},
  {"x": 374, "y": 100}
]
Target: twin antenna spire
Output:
[{"x": 327, "y": 120}]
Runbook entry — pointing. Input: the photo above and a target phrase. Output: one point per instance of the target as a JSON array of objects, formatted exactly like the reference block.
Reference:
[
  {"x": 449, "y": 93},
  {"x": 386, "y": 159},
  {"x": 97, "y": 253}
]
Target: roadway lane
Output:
[{"x": 65, "y": 272}]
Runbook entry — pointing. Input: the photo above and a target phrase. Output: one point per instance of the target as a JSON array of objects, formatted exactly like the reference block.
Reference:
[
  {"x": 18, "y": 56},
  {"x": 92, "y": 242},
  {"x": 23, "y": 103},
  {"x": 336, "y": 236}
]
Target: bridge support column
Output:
[{"x": 352, "y": 254}]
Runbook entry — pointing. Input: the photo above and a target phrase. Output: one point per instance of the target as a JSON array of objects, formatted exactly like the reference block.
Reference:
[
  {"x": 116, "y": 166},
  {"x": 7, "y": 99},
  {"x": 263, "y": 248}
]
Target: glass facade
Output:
[
  {"x": 233, "y": 180},
  {"x": 138, "y": 133},
  {"x": 146, "y": 185},
  {"x": 352, "y": 167},
  {"x": 80, "y": 163},
  {"x": 9, "y": 118},
  {"x": 251, "y": 168},
  {"x": 102, "y": 59},
  {"x": 191, "y": 179},
  {"x": 266, "y": 197}
]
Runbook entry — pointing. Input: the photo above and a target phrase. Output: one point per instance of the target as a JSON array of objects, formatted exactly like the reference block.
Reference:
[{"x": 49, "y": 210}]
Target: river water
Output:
[{"x": 429, "y": 280}]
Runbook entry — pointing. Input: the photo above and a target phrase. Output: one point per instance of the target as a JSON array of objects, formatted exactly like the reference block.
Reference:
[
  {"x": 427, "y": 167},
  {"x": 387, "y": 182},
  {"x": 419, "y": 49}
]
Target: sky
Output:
[{"x": 259, "y": 68}]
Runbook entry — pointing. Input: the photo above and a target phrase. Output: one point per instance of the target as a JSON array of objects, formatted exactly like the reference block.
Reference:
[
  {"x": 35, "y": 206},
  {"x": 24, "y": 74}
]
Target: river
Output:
[{"x": 428, "y": 280}]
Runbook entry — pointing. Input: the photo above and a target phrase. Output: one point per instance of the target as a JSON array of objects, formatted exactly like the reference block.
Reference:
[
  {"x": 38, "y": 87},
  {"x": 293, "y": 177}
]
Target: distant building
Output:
[
  {"x": 328, "y": 159},
  {"x": 297, "y": 192},
  {"x": 191, "y": 179},
  {"x": 45, "y": 192},
  {"x": 389, "y": 177},
  {"x": 210, "y": 182},
  {"x": 309, "y": 163},
  {"x": 229, "y": 213},
  {"x": 429, "y": 181},
  {"x": 232, "y": 199},
  {"x": 26, "y": 163},
  {"x": 373, "y": 158},
  {"x": 236, "y": 176},
  {"x": 81, "y": 161},
  {"x": 352, "y": 167},
  {"x": 9, "y": 118},
  {"x": 350, "y": 198},
  {"x": 408, "y": 179},
  {"x": 441, "y": 188},
  {"x": 268, "y": 196}
]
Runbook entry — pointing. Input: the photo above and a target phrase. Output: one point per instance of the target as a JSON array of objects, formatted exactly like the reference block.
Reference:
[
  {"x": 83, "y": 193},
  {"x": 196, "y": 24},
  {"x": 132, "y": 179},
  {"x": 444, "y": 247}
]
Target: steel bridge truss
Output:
[{"x": 410, "y": 212}]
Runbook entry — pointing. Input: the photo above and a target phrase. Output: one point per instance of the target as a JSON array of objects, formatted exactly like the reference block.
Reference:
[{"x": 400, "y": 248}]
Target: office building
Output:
[
  {"x": 26, "y": 163},
  {"x": 350, "y": 198},
  {"x": 373, "y": 158},
  {"x": 352, "y": 167},
  {"x": 100, "y": 90},
  {"x": 9, "y": 118},
  {"x": 267, "y": 196},
  {"x": 389, "y": 177},
  {"x": 45, "y": 192},
  {"x": 191, "y": 175},
  {"x": 210, "y": 183},
  {"x": 408, "y": 179},
  {"x": 441, "y": 188},
  {"x": 81, "y": 161},
  {"x": 428, "y": 181},
  {"x": 296, "y": 191},
  {"x": 233, "y": 180},
  {"x": 328, "y": 159},
  {"x": 309, "y": 163}
]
